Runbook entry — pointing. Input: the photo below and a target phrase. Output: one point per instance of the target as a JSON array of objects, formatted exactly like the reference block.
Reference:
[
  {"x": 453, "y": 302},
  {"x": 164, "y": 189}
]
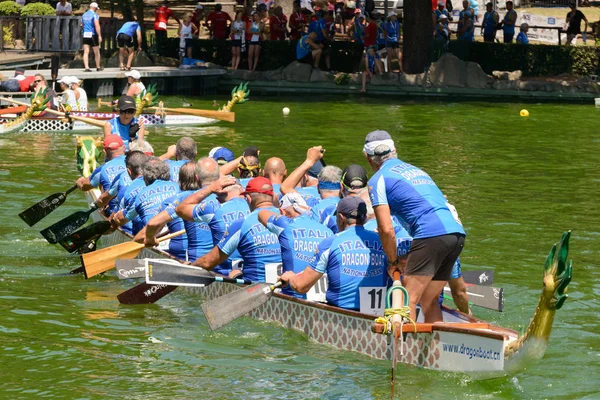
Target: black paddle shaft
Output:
[
  {"x": 78, "y": 239},
  {"x": 63, "y": 228},
  {"x": 40, "y": 210}
]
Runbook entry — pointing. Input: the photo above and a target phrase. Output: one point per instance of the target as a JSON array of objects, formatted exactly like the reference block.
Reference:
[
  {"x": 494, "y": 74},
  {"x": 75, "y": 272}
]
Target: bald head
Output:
[
  {"x": 208, "y": 170},
  {"x": 275, "y": 170}
]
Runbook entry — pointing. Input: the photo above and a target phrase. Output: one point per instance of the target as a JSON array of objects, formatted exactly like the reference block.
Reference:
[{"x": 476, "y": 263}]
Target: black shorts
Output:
[
  {"x": 236, "y": 42},
  {"x": 255, "y": 43},
  {"x": 307, "y": 59},
  {"x": 434, "y": 256},
  {"x": 380, "y": 47},
  {"x": 124, "y": 40},
  {"x": 392, "y": 45},
  {"x": 91, "y": 41}
]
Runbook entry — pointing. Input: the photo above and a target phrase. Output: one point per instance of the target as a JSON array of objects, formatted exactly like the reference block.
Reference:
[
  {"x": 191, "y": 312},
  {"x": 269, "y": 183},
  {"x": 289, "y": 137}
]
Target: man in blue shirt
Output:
[
  {"x": 400, "y": 189},
  {"x": 255, "y": 243},
  {"x": 353, "y": 259},
  {"x": 299, "y": 235},
  {"x": 185, "y": 150},
  {"x": 92, "y": 36},
  {"x": 125, "y": 124},
  {"x": 125, "y": 42},
  {"x": 276, "y": 172}
]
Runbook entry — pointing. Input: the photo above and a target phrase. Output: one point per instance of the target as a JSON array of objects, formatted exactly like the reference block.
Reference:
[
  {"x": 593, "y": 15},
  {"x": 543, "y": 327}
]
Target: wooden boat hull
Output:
[
  {"x": 49, "y": 124},
  {"x": 461, "y": 344}
]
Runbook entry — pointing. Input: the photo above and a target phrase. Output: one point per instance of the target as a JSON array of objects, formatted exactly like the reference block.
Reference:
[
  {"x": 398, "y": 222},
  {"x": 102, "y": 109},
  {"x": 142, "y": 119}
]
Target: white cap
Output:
[
  {"x": 67, "y": 80},
  {"x": 75, "y": 79},
  {"x": 443, "y": 16},
  {"x": 213, "y": 150},
  {"x": 392, "y": 14},
  {"x": 134, "y": 73},
  {"x": 94, "y": 5}
]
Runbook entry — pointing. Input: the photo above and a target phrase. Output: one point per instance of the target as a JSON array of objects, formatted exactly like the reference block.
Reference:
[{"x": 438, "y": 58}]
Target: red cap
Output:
[
  {"x": 259, "y": 185},
  {"x": 113, "y": 142}
]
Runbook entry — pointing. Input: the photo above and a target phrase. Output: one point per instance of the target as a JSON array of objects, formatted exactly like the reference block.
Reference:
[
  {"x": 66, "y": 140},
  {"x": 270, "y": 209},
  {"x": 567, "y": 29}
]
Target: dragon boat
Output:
[
  {"x": 460, "y": 344},
  {"x": 160, "y": 118}
]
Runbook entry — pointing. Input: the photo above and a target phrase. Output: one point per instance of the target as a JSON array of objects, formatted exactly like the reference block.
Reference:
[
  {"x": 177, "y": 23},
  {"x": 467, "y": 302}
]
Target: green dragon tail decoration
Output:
[
  {"x": 239, "y": 95},
  {"x": 147, "y": 98},
  {"x": 89, "y": 154},
  {"x": 557, "y": 276},
  {"x": 38, "y": 104}
]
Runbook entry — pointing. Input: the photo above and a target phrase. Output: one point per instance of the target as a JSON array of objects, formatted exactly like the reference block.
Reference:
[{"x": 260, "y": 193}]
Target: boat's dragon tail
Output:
[
  {"x": 239, "y": 95},
  {"x": 557, "y": 275}
]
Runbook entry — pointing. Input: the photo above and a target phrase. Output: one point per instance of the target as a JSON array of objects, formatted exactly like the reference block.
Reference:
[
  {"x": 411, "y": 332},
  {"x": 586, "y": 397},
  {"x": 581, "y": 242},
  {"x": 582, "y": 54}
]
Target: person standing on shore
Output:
[
  {"x": 256, "y": 28},
  {"x": 573, "y": 23},
  {"x": 392, "y": 37},
  {"x": 126, "y": 44},
  {"x": 522, "y": 36},
  {"x": 489, "y": 25},
  {"x": 161, "y": 17},
  {"x": 278, "y": 24},
  {"x": 238, "y": 39},
  {"x": 64, "y": 8},
  {"x": 218, "y": 21},
  {"x": 185, "y": 32},
  {"x": 508, "y": 23},
  {"x": 297, "y": 22},
  {"x": 92, "y": 37}
]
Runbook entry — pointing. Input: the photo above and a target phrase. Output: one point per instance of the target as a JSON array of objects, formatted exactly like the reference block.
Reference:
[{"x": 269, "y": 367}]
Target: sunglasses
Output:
[
  {"x": 127, "y": 112},
  {"x": 38, "y": 81}
]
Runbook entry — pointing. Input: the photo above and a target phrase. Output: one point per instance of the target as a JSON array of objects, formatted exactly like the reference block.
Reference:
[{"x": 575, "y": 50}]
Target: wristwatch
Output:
[{"x": 394, "y": 263}]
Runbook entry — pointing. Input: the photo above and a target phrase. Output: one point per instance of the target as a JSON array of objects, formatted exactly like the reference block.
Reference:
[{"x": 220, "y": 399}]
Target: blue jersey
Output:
[
  {"x": 109, "y": 171},
  {"x": 359, "y": 31},
  {"x": 149, "y": 200},
  {"x": 178, "y": 246},
  {"x": 414, "y": 198},
  {"x": 198, "y": 233},
  {"x": 468, "y": 34},
  {"x": 303, "y": 48},
  {"x": 438, "y": 14},
  {"x": 256, "y": 244},
  {"x": 490, "y": 24},
  {"x": 509, "y": 29},
  {"x": 299, "y": 238},
  {"x": 392, "y": 30},
  {"x": 351, "y": 259},
  {"x": 317, "y": 27},
  {"x": 122, "y": 130},
  {"x": 522, "y": 38},
  {"x": 403, "y": 239},
  {"x": 128, "y": 201},
  {"x": 174, "y": 167},
  {"x": 310, "y": 194},
  {"x": 380, "y": 33},
  {"x": 325, "y": 208},
  {"x": 218, "y": 218},
  {"x": 129, "y": 28},
  {"x": 87, "y": 19},
  {"x": 117, "y": 189}
]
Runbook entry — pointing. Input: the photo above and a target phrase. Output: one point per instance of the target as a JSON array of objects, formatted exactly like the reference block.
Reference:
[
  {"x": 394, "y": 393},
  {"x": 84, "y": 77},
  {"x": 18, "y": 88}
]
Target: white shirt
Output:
[
  {"x": 66, "y": 8},
  {"x": 69, "y": 98},
  {"x": 83, "y": 99}
]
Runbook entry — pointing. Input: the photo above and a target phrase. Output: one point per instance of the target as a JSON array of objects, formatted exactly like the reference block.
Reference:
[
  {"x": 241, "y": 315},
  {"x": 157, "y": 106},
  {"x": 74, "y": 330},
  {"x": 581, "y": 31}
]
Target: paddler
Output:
[
  {"x": 135, "y": 83},
  {"x": 353, "y": 261},
  {"x": 40, "y": 84},
  {"x": 299, "y": 235},
  {"x": 81, "y": 98},
  {"x": 276, "y": 172},
  {"x": 400, "y": 189},
  {"x": 125, "y": 124},
  {"x": 256, "y": 245},
  {"x": 185, "y": 150}
]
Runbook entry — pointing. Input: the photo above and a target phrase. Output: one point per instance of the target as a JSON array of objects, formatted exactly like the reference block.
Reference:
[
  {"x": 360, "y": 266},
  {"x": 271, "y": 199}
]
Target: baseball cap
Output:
[
  {"x": 259, "y": 185},
  {"x": 19, "y": 71},
  {"x": 113, "y": 142},
  {"x": 354, "y": 176},
  {"x": 444, "y": 16},
  {"x": 65, "y": 79},
  {"x": 392, "y": 14},
  {"x": 223, "y": 153},
  {"x": 313, "y": 172},
  {"x": 134, "y": 73},
  {"x": 378, "y": 138},
  {"x": 126, "y": 103},
  {"x": 353, "y": 207},
  {"x": 294, "y": 199},
  {"x": 94, "y": 5}
]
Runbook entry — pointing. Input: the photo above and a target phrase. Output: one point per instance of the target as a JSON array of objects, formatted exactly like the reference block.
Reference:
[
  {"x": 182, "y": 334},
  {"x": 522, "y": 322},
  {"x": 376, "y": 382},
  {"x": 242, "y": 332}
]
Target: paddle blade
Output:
[
  {"x": 222, "y": 310},
  {"x": 102, "y": 260},
  {"x": 128, "y": 269},
  {"x": 145, "y": 293},
  {"x": 63, "y": 228},
  {"x": 483, "y": 277},
  {"x": 484, "y": 296},
  {"x": 39, "y": 211},
  {"x": 78, "y": 239},
  {"x": 167, "y": 273}
]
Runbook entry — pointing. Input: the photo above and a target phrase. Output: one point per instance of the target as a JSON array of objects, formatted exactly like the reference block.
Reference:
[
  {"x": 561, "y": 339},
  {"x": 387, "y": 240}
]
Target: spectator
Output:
[
  {"x": 218, "y": 22},
  {"x": 39, "y": 84},
  {"x": 508, "y": 23},
  {"x": 357, "y": 29},
  {"x": 466, "y": 7},
  {"x": 238, "y": 39},
  {"x": 198, "y": 16},
  {"x": 435, "y": 4},
  {"x": 441, "y": 10},
  {"x": 372, "y": 66},
  {"x": 489, "y": 25},
  {"x": 380, "y": 32},
  {"x": 92, "y": 37},
  {"x": 256, "y": 29},
  {"x": 186, "y": 31},
  {"x": 319, "y": 26},
  {"x": 371, "y": 31},
  {"x": 466, "y": 32},
  {"x": 297, "y": 22},
  {"x": 392, "y": 36},
  {"x": 278, "y": 24},
  {"x": 306, "y": 7},
  {"x": 13, "y": 84},
  {"x": 64, "y": 8},
  {"x": 522, "y": 36},
  {"x": 349, "y": 11},
  {"x": 573, "y": 22},
  {"x": 308, "y": 51},
  {"x": 161, "y": 17},
  {"x": 442, "y": 34},
  {"x": 126, "y": 44}
]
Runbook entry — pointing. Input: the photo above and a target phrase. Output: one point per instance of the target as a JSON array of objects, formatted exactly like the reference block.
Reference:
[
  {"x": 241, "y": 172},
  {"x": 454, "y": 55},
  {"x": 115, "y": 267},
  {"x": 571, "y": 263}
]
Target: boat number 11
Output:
[{"x": 372, "y": 300}]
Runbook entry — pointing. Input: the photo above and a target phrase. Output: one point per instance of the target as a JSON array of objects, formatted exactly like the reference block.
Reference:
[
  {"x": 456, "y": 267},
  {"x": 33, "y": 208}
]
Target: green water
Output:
[{"x": 517, "y": 183}]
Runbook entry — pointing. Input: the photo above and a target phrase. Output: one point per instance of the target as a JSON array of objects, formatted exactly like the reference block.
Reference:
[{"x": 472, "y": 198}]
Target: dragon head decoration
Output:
[
  {"x": 38, "y": 105},
  {"x": 239, "y": 95},
  {"x": 89, "y": 154},
  {"x": 147, "y": 98}
]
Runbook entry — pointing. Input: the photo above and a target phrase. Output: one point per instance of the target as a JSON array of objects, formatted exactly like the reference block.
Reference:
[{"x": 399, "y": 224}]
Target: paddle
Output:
[
  {"x": 222, "y": 310},
  {"x": 167, "y": 273},
  {"x": 78, "y": 239},
  {"x": 145, "y": 293},
  {"x": 39, "y": 211},
  {"x": 128, "y": 269},
  {"x": 482, "y": 277},
  {"x": 102, "y": 260},
  {"x": 484, "y": 296},
  {"x": 63, "y": 228},
  {"x": 89, "y": 121},
  {"x": 220, "y": 115}
]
